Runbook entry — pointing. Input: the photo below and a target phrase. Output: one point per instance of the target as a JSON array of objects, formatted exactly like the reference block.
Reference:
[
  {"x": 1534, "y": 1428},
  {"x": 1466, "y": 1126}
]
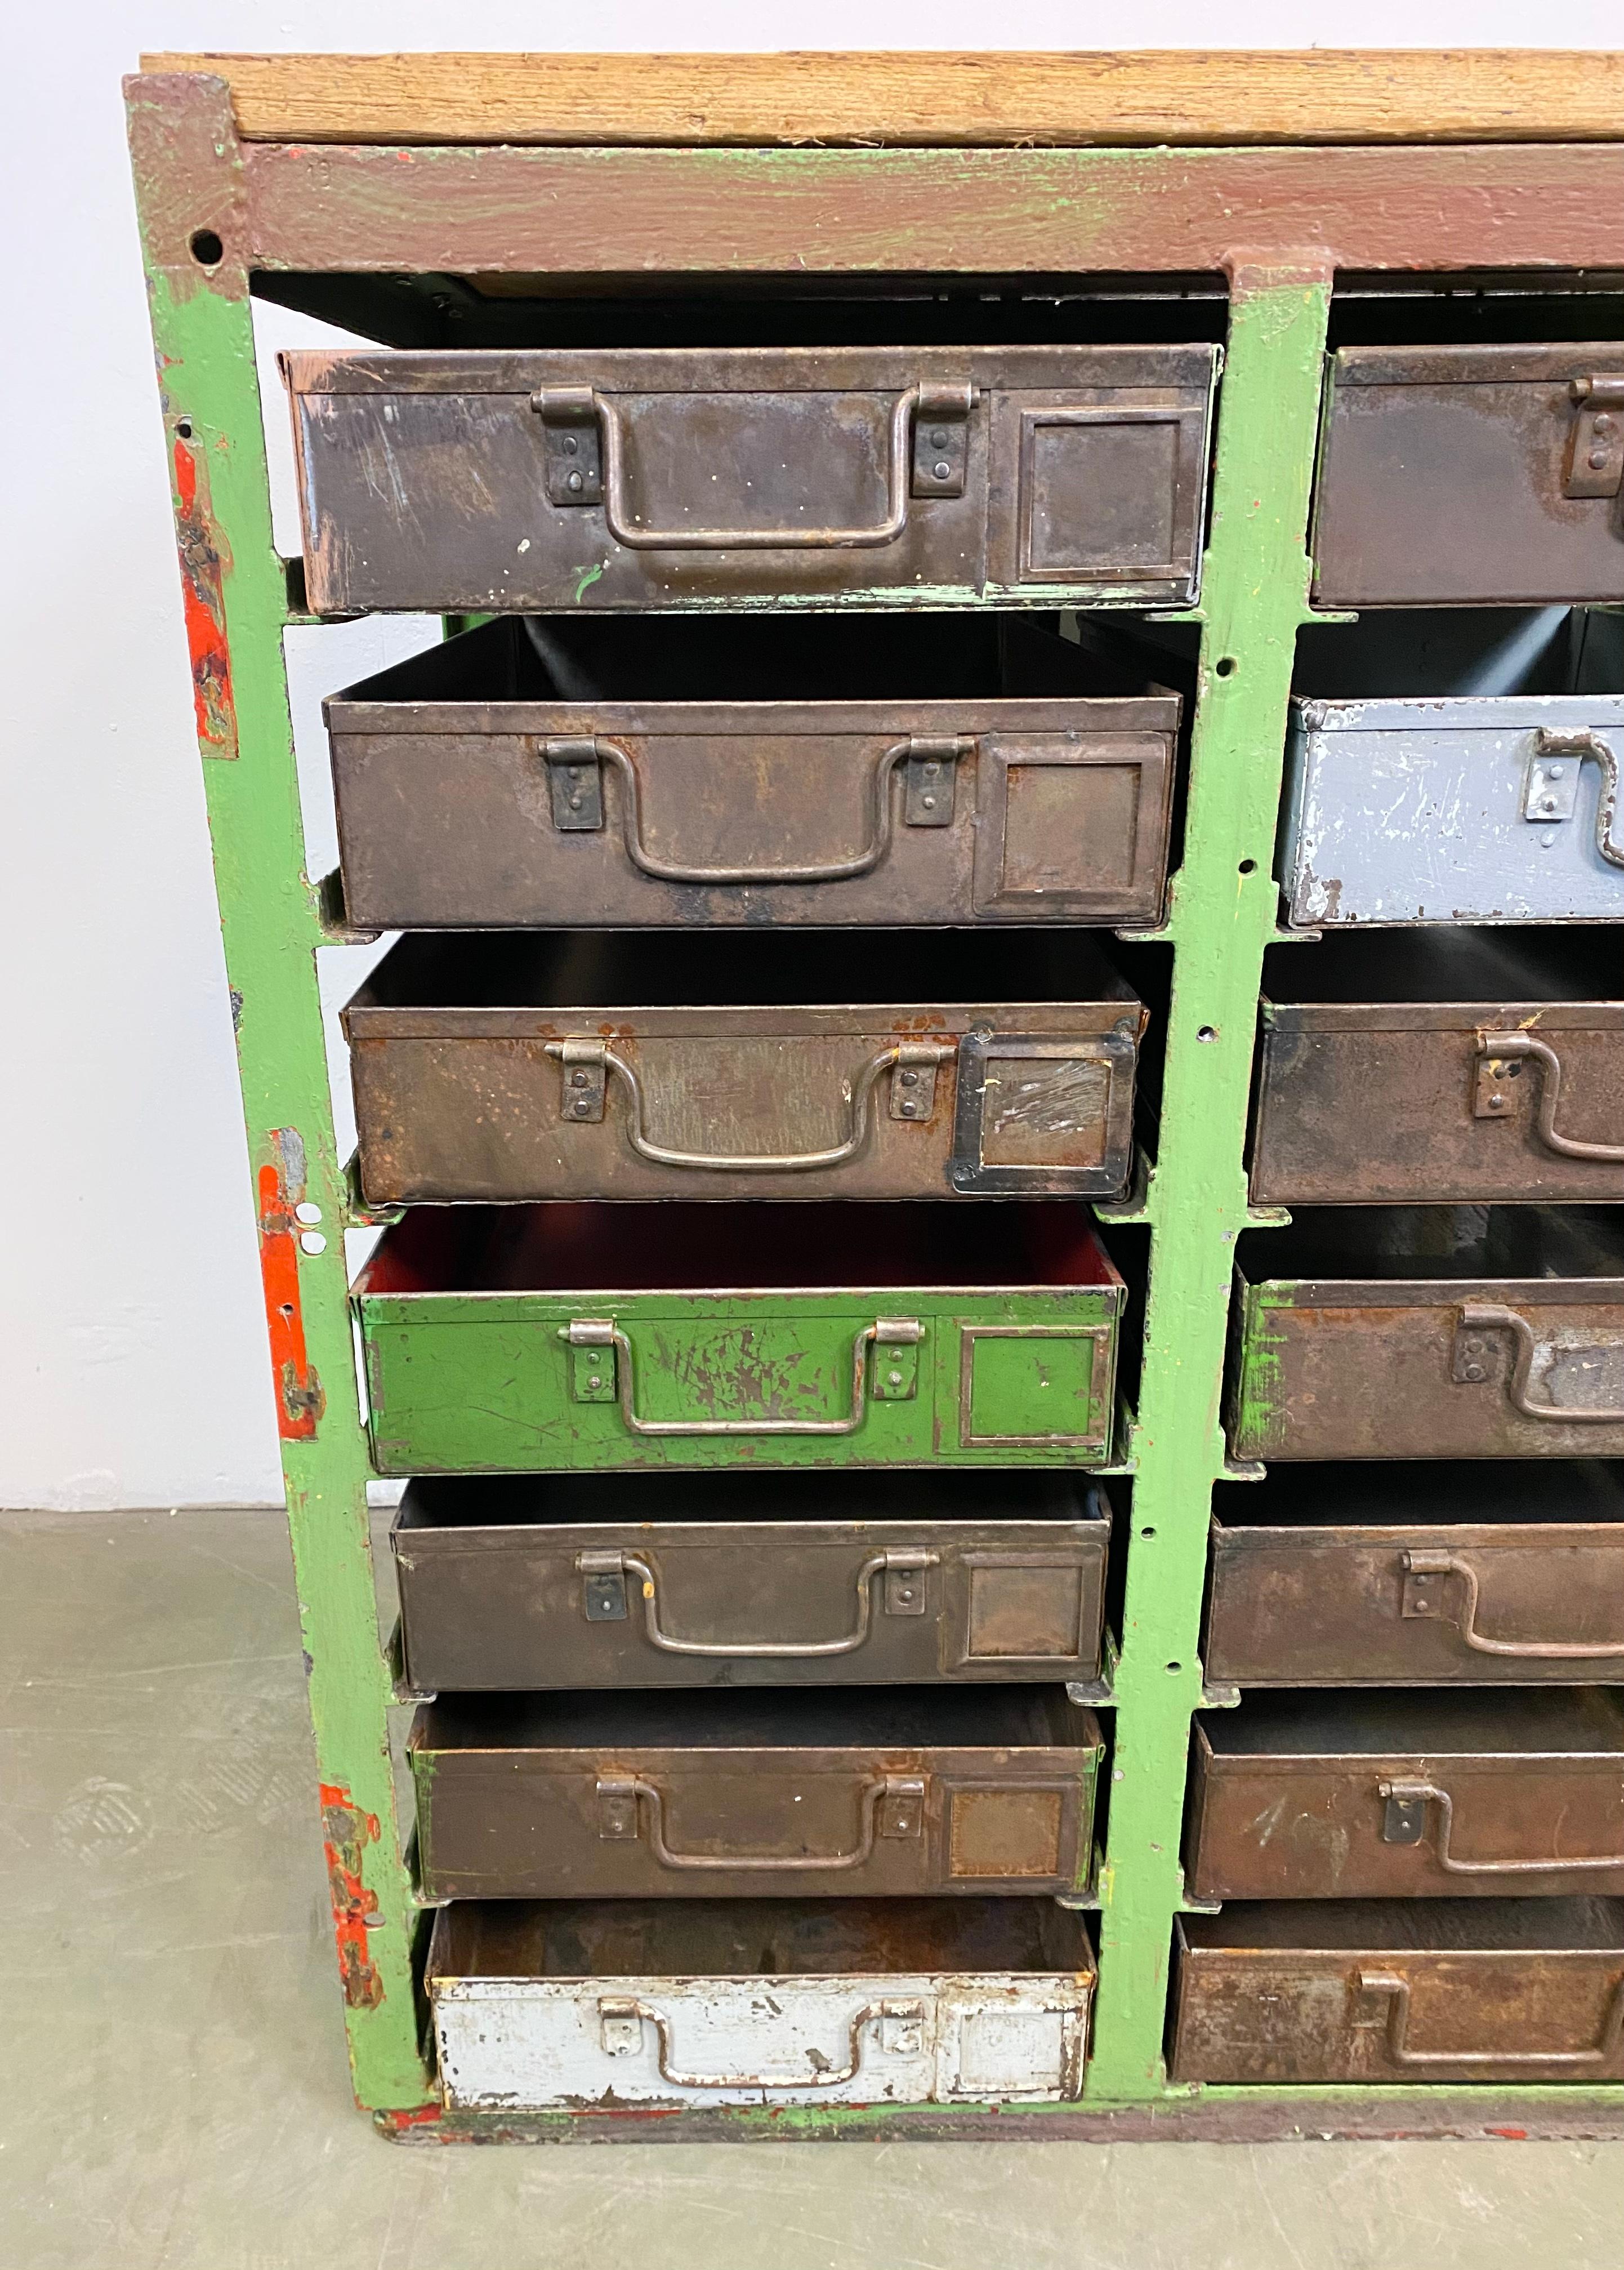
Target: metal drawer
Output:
[
  {"x": 1413, "y": 1576},
  {"x": 630, "y": 771},
  {"x": 1509, "y": 1096},
  {"x": 554, "y": 1336},
  {"x": 693, "y": 478},
  {"x": 1431, "y": 1354},
  {"x": 679, "y": 1580},
  {"x": 711, "y": 2002},
  {"x": 1301, "y": 1796},
  {"x": 558, "y": 1066},
  {"x": 1399, "y": 1990},
  {"x": 1469, "y": 476},
  {"x": 1493, "y": 810},
  {"x": 885, "y": 1791}
]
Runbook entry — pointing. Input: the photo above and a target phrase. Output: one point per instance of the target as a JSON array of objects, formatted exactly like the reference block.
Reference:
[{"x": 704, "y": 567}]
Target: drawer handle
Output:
[
  {"x": 1469, "y": 1364},
  {"x": 903, "y": 1333},
  {"x": 610, "y": 1569},
  {"x": 1550, "y": 794},
  {"x": 586, "y": 1061},
  {"x": 1491, "y": 1101},
  {"x": 580, "y": 405},
  {"x": 1404, "y": 1822},
  {"x": 929, "y": 784},
  {"x": 1398, "y": 1992},
  {"x": 901, "y": 2032},
  {"x": 628, "y": 1807},
  {"x": 1418, "y": 1601}
]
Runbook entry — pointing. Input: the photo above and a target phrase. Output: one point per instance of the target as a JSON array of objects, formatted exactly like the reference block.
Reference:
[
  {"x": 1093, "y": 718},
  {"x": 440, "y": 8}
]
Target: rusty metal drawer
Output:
[
  {"x": 1301, "y": 1796},
  {"x": 1412, "y": 1351},
  {"x": 1402, "y": 1991},
  {"x": 559, "y": 1066},
  {"x": 1501, "y": 1093},
  {"x": 1417, "y": 1576},
  {"x": 576, "y": 2004},
  {"x": 630, "y": 771},
  {"x": 1498, "y": 809},
  {"x": 1470, "y": 476},
  {"x": 730, "y": 1579},
  {"x": 884, "y": 1791},
  {"x": 689, "y": 478},
  {"x": 523, "y": 1340}
]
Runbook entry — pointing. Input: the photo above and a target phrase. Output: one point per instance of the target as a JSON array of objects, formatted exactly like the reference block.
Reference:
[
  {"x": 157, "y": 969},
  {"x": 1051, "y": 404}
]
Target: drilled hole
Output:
[
  {"x": 1207, "y": 1033},
  {"x": 208, "y": 251},
  {"x": 184, "y": 429},
  {"x": 1148, "y": 1533},
  {"x": 1224, "y": 665},
  {"x": 1175, "y": 1666},
  {"x": 1249, "y": 866}
]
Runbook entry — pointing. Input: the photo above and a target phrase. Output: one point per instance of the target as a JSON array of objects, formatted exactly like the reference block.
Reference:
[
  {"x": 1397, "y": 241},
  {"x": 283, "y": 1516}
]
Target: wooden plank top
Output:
[{"x": 1217, "y": 97}]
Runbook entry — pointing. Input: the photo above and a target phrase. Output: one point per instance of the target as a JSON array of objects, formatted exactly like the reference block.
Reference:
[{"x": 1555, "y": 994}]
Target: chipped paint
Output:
[
  {"x": 301, "y": 1399},
  {"x": 346, "y": 1831},
  {"x": 204, "y": 563}
]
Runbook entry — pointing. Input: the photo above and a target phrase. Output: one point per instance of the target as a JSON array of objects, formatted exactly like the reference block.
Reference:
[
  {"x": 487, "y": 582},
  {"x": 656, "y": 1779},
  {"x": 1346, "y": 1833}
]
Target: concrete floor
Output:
[{"x": 177, "y": 2093}]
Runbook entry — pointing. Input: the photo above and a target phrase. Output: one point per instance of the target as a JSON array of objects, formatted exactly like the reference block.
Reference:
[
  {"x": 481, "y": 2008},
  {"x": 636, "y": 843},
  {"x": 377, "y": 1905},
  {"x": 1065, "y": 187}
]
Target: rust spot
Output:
[
  {"x": 346, "y": 1831},
  {"x": 300, "y": 1400},
  {"x": 203, "y": 566}
]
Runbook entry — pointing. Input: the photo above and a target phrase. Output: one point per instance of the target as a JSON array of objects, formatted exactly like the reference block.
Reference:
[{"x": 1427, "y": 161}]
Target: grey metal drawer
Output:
[
  {"x": 579, "y": 2004},
  {"x": 1473, "y": 1791},
  {"x": 1401, "y": 1991},
  {"x": 694, "y": 477},
  {"x": 746, "y": 1580},
  {"x": 1463, "y": 476},
  {"x": 889, "y": 1791},
  {"x": 558, "y": 1066},
  {"x": 631, "y": 771}
]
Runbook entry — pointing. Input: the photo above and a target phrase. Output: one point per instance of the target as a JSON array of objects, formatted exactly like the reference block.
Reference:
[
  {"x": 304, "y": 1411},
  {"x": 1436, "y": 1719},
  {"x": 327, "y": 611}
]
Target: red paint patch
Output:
[
  {"x": 202, "y": 586},
  {"x": 346, "y": 1832},
  {"x": 396, "y": 2122},
  {"x": 300, "y": 1400},
  {"x": 1511, "y": 2135}
]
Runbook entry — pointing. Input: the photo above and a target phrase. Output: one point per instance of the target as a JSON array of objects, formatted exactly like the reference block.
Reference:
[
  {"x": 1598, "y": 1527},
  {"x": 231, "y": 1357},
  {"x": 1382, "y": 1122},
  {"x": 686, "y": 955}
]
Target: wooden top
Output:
[{"x": 1214, "y": 96}]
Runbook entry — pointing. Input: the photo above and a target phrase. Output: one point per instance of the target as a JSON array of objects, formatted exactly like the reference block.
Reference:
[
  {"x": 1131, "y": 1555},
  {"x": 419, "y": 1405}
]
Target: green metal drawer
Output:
[{"x": 515, "y": 1339}]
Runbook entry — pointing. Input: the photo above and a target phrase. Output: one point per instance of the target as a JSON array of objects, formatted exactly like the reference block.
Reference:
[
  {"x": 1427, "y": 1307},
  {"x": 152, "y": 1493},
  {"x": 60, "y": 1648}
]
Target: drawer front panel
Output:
[
  {"x": 1462, "y": 476},
  {"x": 1487, "y": 811},
  {"x": 1502, "y": 1369},
  {"x": 1417, "y": 1605},
  {"x": 751, "y": 1603},
  {"x": 1490, "y": 1102},
  {"x": 692, "y": 479},
  {"x": 540, "y": 1382}
]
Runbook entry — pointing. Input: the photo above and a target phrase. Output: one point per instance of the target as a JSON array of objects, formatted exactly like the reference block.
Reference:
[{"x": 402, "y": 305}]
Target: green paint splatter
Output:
[{"x": 589, "y": 576}]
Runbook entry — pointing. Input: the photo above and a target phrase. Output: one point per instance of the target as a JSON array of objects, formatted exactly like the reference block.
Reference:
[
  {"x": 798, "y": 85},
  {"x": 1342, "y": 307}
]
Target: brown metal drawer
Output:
[
  {"x": 635, "y": 771},
  {"x": 1421, "y": 1352},
  {"x": 558, "y": 1066},
  {"x": 885, "y": 1791},
  {"x": 1417, "y": 1576},
  {"x": 1301, "y": 1796},
  {"x": 743, "y": 1580},
  {"x": 1402, "y": 1991},
  {"x": 1511, "y": 1097},
  {"x": 1469, "y": 476},
  {"x": 693, "y": 478}
]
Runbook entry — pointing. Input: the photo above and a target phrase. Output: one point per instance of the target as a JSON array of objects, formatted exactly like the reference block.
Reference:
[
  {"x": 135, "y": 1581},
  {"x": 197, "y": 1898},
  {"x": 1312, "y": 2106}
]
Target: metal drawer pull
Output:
[
  {"x": 1404, "y": 1822},
  {"x": 905, "y": 1333},
  {"x": 1469, "y": 1366},
  {"x": 586, "y": 1061},
  {"x": 903, "y": 2033},
  {"x": 1418, "y": 1601},
  {"x": 579, "y": 406},
  {"x": 578, "y": 806},
  {"x": 610, "y": 1569},
  {"x": 1491, "y": 1102},
  {"x": 1550, "y": 792},
  {"x": 1398, "y": 1992},
  {"x": 893, "y": 1807}
]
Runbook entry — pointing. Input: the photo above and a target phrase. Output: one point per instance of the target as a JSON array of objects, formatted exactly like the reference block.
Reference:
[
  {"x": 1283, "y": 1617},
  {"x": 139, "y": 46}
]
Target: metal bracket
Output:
[
  {"x": 616, "y": 1810},
  {"x": 1425, "y": 1574},
  {"x": 902, "y": 2028},
  {"x": 929, "y": 781},
  {"x": 575, "y": 784},
  {"x": 1550, "y": 785},
  {"x": 1474, "y": 1353},
  {"x": 572, "y": 444},
  {"x": 619, "y": 2028},
  {"x": 584, "y": 1071},
  {"x": 913, "y": 1084},
  {"x": 896, "y": 1365},
  {"x": 1491, "y": 1098},
  {"x": 942, "y": 439},
  {"x": 905, "y": 1585},
  {"x": 592, "y": 1354},
  {"x": 1594, "y": 465},
  {"x": 604, "y": 1588},
  {"x": 1404, "y": 1815},
  {"x": 901, "y": 1812}
]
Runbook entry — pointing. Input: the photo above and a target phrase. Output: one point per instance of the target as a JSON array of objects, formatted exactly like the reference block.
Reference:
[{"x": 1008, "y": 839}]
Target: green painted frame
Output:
[{"x": 1278, "y": 224}]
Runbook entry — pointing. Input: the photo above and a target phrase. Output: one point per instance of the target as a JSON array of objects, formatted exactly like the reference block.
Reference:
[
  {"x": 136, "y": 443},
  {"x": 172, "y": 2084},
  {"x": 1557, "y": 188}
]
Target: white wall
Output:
[{"x": 132, "y": 1359}]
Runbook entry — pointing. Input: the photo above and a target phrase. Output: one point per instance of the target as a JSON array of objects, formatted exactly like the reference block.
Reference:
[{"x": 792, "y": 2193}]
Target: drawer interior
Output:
[
  {"x": 1488, "y": 1722},
  {"x": 1581, "y": 963},
  {"x": 1410, "y": 1927},
  {"x": 1516, "y": 1493},
  {"x": 685, "y": 1245},
  {"x": 453, "y": 1502},
  {"x": 753, "y": 1938},
  {"x": 1448, "y": 1243}
]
